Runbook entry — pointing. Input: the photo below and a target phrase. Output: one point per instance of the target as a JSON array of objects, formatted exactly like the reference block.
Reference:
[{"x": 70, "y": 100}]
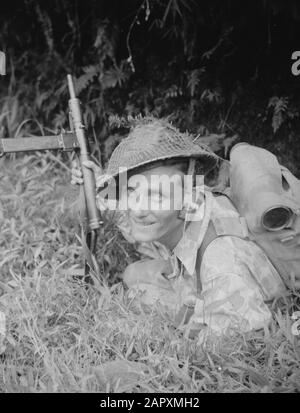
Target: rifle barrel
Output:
[
  {"x": 89, "y": 184},
  {"x": 71, "y": 87}
]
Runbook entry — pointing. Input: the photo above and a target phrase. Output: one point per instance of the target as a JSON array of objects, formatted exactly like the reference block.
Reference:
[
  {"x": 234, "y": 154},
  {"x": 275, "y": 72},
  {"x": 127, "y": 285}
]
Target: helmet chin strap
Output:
[{"x": 187, "y": 195}]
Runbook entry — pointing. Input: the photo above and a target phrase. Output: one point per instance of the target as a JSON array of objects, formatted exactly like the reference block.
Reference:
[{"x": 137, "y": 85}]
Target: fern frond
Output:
[
  {"x": 83, "y": 81},
  {"x": 194, "y": 80},
  {"x": 280, "y": 107}
]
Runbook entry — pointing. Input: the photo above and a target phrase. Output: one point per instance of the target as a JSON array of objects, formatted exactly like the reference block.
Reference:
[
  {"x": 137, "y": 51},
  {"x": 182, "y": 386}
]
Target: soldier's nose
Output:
[
  {"x": 140, "y": 213},
  {"x": 139, "y": 205}
]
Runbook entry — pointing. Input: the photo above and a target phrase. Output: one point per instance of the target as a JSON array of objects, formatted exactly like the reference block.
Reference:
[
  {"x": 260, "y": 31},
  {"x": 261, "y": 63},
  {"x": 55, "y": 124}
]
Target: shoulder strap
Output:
[
  {"x": 236, "y": 227},
  {"x": 208, "y": 238}
]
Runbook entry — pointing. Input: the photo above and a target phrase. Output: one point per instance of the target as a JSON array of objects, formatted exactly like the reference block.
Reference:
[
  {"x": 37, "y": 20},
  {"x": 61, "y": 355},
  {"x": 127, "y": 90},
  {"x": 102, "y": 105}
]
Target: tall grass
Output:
[{"x": 62, "y": 336}]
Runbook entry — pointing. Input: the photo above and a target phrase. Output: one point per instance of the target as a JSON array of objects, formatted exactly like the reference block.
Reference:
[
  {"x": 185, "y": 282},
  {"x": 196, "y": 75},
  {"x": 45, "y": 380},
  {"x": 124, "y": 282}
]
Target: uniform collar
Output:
[{"x": 187, "y": 248}]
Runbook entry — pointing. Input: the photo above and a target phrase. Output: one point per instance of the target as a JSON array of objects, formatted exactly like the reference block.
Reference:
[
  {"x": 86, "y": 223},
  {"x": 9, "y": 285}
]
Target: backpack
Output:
[{"x": 266, "y": 196}]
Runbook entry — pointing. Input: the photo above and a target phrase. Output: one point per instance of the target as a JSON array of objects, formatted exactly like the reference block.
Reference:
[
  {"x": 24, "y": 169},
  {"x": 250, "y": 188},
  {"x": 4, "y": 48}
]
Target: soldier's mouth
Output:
[{"x": 143, "y": 224}]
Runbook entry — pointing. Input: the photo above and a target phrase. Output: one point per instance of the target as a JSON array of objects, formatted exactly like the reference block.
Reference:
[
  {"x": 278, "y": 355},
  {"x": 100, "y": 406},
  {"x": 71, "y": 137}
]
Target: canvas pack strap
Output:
[
  {"x": 203, "y": 237},
  {"x": 217, "y": 227},
  {"x": 209, "y": 237}
]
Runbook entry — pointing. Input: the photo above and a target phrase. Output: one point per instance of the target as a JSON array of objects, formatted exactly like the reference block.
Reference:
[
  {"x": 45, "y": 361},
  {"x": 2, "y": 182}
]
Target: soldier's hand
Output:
[{"x": 76, "y": 172}]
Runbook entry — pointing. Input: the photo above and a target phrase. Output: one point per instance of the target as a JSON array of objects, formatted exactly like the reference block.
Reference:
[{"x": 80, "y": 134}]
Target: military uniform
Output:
[
  {"x": 231, "y": 283},
  {"x": 237, "y": 278}
]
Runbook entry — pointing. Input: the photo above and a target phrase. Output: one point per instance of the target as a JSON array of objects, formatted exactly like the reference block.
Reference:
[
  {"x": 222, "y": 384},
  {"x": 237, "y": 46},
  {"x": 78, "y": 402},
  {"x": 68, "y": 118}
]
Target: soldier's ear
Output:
[{"x": 187, "y": 191}]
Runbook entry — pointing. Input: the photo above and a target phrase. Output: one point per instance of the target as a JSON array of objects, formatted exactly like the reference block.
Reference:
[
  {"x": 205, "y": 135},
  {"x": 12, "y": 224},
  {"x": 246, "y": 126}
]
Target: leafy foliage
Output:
[
  {"x": 281, "y": 111},
  {"x": 182, "y": 59}
]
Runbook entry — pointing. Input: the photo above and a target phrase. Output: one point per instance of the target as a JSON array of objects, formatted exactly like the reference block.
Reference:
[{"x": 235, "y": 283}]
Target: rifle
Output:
[{"x": 74, "y": 140}]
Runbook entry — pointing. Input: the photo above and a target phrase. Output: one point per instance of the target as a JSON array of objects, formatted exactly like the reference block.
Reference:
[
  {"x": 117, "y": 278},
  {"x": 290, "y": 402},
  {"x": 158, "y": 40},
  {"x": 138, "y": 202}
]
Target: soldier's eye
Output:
[{"x": 130, "y": 189}]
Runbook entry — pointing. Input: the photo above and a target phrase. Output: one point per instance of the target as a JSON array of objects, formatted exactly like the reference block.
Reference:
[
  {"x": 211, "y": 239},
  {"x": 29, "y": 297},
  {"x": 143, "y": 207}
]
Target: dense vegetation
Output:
[
  {"x": 219, "y": 69},
  {"x": 213, "y": 67}
]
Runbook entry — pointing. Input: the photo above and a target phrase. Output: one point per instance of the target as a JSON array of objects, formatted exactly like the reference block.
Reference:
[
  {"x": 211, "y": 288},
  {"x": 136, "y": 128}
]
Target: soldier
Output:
[{"x": 215, "y": 284}]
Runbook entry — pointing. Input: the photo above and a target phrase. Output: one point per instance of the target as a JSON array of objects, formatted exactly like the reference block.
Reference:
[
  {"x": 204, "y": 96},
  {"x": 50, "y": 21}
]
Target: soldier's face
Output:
[{"x": 154, "y": 200}]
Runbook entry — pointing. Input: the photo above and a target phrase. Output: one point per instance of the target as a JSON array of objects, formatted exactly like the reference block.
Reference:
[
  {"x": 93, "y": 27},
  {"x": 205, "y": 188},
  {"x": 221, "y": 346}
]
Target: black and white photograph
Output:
[{"x": 149, "y": 199}]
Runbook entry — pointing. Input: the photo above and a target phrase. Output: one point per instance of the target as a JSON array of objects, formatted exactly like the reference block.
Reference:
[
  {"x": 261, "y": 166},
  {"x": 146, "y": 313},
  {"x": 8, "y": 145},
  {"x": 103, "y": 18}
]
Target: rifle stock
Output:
[{"x": 64, "y": 141}]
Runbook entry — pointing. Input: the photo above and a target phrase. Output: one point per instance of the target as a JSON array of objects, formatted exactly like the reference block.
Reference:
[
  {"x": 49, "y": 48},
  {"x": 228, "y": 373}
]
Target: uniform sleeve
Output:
[{"x": 230, "y": 298}]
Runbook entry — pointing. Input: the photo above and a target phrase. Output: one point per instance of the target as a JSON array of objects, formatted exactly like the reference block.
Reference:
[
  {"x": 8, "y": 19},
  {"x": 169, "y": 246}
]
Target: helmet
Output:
[{"x": 155, "y": 140}]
